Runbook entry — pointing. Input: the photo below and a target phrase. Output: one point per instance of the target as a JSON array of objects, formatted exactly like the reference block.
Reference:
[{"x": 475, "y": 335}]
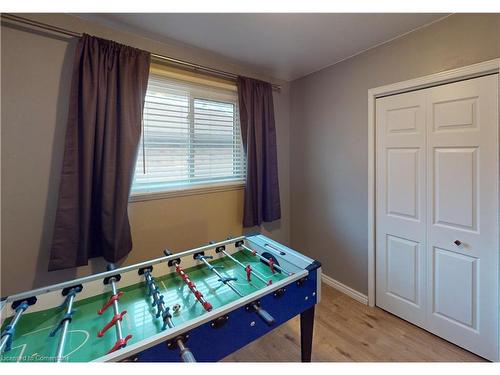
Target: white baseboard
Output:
[{"x": 358, "y": 296}]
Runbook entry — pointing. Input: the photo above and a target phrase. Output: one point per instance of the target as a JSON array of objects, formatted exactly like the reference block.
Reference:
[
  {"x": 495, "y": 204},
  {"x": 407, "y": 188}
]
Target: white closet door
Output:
[
  {"x": 401, "y": 209},
  {"x": 462, "y": 251}
]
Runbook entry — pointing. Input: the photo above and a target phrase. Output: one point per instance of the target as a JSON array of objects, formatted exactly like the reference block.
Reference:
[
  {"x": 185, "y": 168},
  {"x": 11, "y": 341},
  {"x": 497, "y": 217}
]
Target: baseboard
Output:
[{"x": 360, "y": 297}]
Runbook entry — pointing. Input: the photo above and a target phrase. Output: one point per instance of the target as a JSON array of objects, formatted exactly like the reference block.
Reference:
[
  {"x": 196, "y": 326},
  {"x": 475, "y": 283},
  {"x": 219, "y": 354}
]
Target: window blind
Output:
[{"x": 191, "y": 135}]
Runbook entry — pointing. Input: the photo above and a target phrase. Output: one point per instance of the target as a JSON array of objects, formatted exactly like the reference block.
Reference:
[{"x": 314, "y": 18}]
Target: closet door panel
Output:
[
  {"x": 400, "y": 159},
  {"x": 455, "y": 204},
  {"x": 462, "y": 249}
]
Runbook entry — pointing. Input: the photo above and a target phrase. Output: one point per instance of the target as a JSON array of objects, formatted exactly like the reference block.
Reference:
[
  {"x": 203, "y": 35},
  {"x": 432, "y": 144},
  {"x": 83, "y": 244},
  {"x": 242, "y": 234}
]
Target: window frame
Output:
[{"x": 196, "y": 188}]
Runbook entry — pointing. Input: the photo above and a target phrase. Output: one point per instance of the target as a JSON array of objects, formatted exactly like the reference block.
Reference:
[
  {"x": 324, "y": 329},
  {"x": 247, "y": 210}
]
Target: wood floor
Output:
[{"x": 346, "y": 330}]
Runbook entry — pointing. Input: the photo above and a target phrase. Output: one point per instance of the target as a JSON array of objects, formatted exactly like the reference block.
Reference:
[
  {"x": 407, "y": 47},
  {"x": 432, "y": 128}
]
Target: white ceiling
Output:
[{"x": 286, "y": 46}]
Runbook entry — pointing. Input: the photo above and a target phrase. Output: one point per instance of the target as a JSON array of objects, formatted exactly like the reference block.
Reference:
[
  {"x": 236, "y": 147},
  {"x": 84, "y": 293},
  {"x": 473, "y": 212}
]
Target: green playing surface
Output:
[{"x": 32, "y": 342}]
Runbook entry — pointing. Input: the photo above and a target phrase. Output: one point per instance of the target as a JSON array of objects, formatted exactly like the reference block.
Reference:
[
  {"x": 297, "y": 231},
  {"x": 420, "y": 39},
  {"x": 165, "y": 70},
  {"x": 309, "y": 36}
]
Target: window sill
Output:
[{"x": 186, "y": 191}]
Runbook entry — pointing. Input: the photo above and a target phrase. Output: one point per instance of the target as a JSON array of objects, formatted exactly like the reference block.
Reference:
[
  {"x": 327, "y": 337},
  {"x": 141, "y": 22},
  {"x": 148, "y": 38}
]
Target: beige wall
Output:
[
  {"x": 35, "y": 73},
  {"x": 329, "y": 127}
]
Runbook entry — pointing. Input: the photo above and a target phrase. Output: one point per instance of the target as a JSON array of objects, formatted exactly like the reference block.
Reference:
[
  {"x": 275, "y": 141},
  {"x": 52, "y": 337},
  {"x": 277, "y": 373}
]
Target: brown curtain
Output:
[
  {"x": 104, "y": 127},
  {"x": 262, "y": 195}
]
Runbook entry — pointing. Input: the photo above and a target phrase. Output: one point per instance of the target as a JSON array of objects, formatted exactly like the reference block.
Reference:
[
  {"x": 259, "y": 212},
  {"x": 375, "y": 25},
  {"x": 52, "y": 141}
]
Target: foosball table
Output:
[{"x": 198, "y": 305}]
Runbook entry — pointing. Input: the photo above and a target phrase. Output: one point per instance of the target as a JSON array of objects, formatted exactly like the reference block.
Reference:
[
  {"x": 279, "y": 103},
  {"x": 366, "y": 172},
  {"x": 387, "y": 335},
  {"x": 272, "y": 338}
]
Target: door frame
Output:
[{"x": 441, "y": 78}]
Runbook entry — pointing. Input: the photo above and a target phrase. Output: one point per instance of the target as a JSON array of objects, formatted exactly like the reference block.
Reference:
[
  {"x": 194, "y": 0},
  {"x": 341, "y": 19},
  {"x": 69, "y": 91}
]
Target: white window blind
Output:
[{"x": 191, "y": 136}]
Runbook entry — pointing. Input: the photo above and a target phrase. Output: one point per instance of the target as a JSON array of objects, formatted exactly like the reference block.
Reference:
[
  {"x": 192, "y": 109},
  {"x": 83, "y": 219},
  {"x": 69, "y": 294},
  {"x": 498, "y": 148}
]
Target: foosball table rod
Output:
[
  {"x": 223, "y": 279},
  {"x": 63, "y": 325},
  {"x": 8, "y": 333},
  {"x": 254, "y": 306},
  {"x": 264, "y": 259},
  {"x": 161, "y": 310},
  {"x": 116, "y": 310},
  {"x": 247, "y": 268},
  {"x": 118, "y": 316},
  {"x": 185, "y": 277},
  {"x": 164, "y": 312}
]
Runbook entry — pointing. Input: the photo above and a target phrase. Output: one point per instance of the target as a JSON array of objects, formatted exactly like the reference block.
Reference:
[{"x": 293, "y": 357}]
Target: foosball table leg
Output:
[{"x": 306, "y": 334}]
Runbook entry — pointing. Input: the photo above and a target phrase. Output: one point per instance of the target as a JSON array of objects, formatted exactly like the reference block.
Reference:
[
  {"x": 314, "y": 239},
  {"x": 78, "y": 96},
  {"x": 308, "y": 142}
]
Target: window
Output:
[{"x": 191, "y": 134}]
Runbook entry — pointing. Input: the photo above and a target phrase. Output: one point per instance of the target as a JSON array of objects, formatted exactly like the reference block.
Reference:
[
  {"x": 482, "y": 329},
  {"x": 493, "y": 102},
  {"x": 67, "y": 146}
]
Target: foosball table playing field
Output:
[{"x": 198, "y": 305}]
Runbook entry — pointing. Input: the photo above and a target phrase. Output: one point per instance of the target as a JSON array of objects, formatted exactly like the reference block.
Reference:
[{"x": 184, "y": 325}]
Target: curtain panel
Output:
[
  {"x": 262, "y": 196},
  {"x": 103, "y": 131}
]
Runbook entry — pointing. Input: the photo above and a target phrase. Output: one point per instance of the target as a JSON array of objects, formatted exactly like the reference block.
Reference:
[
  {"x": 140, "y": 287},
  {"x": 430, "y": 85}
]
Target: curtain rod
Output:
[{"x": 183, "y": 63}]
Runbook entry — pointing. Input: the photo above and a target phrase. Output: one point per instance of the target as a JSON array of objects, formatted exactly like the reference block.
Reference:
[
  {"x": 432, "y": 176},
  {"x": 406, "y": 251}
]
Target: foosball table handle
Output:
[
  {"x": 266, "y": 317},
  {"x": 187, "y": 356},
  {"x": 179, "y": 343}
]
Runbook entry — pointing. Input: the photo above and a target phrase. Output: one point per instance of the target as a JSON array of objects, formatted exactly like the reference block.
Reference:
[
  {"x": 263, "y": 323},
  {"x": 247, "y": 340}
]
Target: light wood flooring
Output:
[{"x": 346, "y": 330}]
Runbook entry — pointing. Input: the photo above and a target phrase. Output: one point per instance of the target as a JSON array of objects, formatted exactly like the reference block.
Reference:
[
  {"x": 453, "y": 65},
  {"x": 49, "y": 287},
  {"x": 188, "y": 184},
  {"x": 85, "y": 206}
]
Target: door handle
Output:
[{"x": 457, "y": 242}]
